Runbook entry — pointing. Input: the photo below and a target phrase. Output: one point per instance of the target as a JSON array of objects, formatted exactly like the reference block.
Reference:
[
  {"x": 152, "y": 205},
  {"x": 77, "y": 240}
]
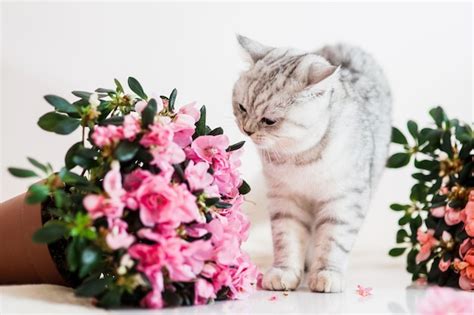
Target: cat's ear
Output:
[
  {"x": 254, "y": 49},
  {"x": 322, "y": 74}
]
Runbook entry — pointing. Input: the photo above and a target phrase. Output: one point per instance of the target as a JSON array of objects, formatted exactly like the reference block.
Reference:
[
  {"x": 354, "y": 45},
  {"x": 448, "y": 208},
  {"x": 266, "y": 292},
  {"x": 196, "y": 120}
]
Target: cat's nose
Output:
[{"x": 249, "y": 133}]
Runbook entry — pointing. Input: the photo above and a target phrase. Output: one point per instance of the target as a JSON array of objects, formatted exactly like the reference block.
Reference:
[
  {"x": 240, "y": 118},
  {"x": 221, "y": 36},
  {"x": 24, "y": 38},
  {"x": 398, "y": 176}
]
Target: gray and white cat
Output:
[{"x": 321, "y": 122}]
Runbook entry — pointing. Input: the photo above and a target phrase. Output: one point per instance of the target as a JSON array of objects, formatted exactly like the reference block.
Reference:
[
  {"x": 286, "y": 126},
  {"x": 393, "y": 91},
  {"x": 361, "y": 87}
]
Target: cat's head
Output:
[{"x": 283, "y": 98}]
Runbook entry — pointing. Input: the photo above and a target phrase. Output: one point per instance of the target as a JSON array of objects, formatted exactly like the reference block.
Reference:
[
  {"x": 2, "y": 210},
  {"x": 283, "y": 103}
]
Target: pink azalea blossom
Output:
[
  {"x": 465, "y": 265},
  {"x": 118, "y": 236},
  {"x": 159, "y": 135},
  {"x": 183, "y": 128},
  {"x": 190, "y": 110},
  {"x": 197, "y": 175},
  {"x": 103, "y": 136},
  {"x": 140, "y": 106},
  {"x": 427, "y": 242},
  {"x": 131, "y": 126},
  {"x": 203, "y": 291},
  {"x": 210, "y": 147},
  {"x": 441, "y": 301},
  {"x": 453, "y": 216},
  {"x": 438, "y": 212},
  {"x": 243, "y": 277},
  {"x": 469, "y": 216},
  {"x": 444, "y": 265}
]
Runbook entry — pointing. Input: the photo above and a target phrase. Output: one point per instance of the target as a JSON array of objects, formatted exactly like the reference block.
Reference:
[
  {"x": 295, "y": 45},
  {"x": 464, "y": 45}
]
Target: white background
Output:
[{"x": 55, "y": 48}]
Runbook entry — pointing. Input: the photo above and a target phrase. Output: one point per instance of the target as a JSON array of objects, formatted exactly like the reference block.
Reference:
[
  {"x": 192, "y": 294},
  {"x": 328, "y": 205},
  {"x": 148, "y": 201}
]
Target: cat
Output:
[{"x": 321, "y": 122}]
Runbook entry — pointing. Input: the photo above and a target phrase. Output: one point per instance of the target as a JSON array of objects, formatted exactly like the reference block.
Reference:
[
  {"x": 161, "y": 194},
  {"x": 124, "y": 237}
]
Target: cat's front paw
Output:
[
  {"x": 281, "y": 279},
  {"x": 326, "y": 281}
]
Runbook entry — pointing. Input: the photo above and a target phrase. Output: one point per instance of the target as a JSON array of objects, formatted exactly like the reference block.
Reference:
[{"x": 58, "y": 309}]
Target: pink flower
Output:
[
  {"x": 111, "y": 207},
  {"x": 440, "y": 301},
  {"x": 438, "y": 212},
  {"x": 140, "y": 106},
  {"x": 107, "y": 135},
  {"x": 159, "y": 135},
  {"x": 363, "y": 291},
  {"x": 469, "y": 216},
  {"x": 427, "y": 242},
  {"x": 243, "y": 277},
  {"x": 157, "y": 201},
  {"x": 273, "y": 298},
  {"x": 118, "y": 236},
  {"x": 197, "y": 175},
  {"x": 452, "y": 216},
  {"x": 444, "y": 265},
  {"x": 153, "y": 300},
  {"x": 131, "y": 126},
  {"x": 466, "y": 266},
  {"x": 134, "y": 179},
  {"x": 113, "y": 182},
  {"x": 183, "y": 128},
  {"x": 208, "y": 147},
  {"x": 170, "y": 154},
  {"x": 190, "y": 110},
  {"x": 203, "y": 291}
]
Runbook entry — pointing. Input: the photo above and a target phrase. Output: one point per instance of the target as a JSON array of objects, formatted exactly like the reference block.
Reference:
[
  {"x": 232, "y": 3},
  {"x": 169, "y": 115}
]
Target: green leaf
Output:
[
  {"x": 244, "y": 188},
  {"x": 211, "y": 201},
  {"x": 399, "y": 207},
  {"x": 85, "y": 157},
  {"x": 60, "y": 124},
  {"x": 72, "y": 255},
  {"x": 172, "y": 100},
  {"x": 126, "y": 151},
  {"x": 404, "y": 220},
  {"x": 401, "y": 235},
  {"x": 418, "y": 192},
  {"x": 119, "y": 87},
  {"x": 438, "y": 115},
  {"x": 50, "y": 232},
  {"x": 412, "y": 128},
  {"x": 394, "y": 252},
  {"x": 59, "y": 198},
  {"x": 39, "y": 165},
  {"x": 215, "y": 132},
  {"x": 71, "y": 178},
  {"x": 136, "y": 87},
  {"x": 398, "y": 137},
  {"x": 223, "y": 205},
  {"x": 464, "y": 133},
  {"x": 446, "y": 143},
  {"x": 115, "y": 120},
  {"x": 111, "y": 299},
  {"x": 429, "y": 165},
  {"x": 68, "y": 159},
  {"x": 102, "y": 90},
  {"x": 90, "y": 258},
  {"x": 149, "y": 112},
  {"x": 93, "y": 287},
  {"x": 201, "y": 124},
  {"x": 37, "y": 193},
  {"x": 82, "y": 94},
  {"x": 21, "y": 172},
  {"x": 235, "y": 146},
  {"x": 398, "y": 160},
  {"x": 60, "y": 104}
]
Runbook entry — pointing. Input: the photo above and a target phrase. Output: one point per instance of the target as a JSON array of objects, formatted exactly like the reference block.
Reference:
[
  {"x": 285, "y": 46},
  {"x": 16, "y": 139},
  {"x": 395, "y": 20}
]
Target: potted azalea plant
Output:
[
  {"x": 437, "y": 224},
  {"x": 146, "y": 211}
]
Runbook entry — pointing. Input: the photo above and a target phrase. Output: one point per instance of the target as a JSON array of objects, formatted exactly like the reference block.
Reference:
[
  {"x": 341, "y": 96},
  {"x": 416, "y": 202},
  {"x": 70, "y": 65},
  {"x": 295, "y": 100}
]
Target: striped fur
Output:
[{"x": 322, "y": 156}]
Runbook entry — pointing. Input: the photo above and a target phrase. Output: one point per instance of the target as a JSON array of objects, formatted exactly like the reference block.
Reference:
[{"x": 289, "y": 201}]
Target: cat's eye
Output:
[
  {"x": 242, "y": 108},
  {"x": 268, "y": 122}
]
